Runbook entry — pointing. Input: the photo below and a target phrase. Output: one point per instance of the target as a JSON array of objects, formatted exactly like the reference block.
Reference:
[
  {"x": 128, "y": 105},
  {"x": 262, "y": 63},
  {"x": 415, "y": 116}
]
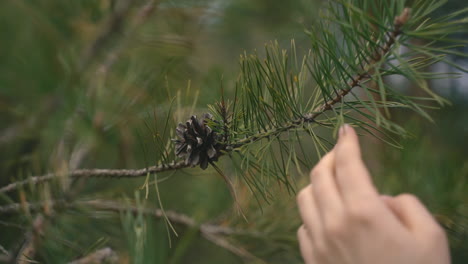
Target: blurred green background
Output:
[{"x": 79, "y": 81}]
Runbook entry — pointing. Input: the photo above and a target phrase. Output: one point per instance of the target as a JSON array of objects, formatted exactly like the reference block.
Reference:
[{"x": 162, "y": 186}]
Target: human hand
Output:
[{"x": 346, "y": 221}]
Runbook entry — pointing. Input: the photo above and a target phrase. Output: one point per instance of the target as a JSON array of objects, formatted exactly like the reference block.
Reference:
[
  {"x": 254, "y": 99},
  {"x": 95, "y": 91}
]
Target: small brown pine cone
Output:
[{"x": 197, "y": 142}]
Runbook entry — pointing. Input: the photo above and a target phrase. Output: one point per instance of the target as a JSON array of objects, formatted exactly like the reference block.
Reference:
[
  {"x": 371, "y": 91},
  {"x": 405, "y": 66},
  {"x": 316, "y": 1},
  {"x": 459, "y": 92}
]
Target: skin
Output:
[{"x": 346, "y": 220}]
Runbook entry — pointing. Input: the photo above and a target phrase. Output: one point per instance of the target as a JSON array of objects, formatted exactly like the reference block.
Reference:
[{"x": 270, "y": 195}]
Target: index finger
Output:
[{"x": 352, "y": 177}]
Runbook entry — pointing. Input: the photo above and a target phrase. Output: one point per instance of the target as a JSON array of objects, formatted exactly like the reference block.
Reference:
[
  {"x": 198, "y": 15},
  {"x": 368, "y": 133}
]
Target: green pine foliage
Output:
[{"x": 103, "y": 84}]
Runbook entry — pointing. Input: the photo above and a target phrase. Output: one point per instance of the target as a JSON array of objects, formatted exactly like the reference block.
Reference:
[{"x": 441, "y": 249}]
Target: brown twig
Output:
[
  {"x": 224, "y": 243},
  {"x": 85, "y": 173}
]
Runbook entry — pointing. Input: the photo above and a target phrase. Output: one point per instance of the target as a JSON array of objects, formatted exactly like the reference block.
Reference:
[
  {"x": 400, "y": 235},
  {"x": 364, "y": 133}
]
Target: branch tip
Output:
[{"x": 403, "y": 17}]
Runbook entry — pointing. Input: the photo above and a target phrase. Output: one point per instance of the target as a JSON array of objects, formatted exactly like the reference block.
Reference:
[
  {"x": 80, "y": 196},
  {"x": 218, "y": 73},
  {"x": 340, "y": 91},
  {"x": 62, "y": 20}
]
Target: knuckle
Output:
[
  {"x": 302, "y": 195},
  {"x": 316, "y": 172},
  {"x": 362, "y": 213},
  {"x": 335, "y": 229}
]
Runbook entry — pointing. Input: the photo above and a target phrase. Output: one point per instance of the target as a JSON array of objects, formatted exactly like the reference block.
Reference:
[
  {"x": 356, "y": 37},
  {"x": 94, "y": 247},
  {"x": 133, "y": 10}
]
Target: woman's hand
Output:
[{"x": 346, "y": 221}]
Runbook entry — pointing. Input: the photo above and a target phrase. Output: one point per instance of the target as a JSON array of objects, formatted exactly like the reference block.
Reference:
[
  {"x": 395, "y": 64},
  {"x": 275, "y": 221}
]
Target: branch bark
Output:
[{"x": 85, "y": 173}]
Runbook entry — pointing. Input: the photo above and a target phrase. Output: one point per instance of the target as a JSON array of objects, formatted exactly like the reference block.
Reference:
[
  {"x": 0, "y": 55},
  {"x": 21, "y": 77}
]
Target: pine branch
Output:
[
  {"x": 86, "y": 173},
  {"x": 239, "y": 251},
  {"x": 212, "y": 232},
  {"x": 308, "y": 118},
  {"x": 380, "y": 52},
  {"x": 355, "y": 82},
  {"x": 117, "y": 207}
]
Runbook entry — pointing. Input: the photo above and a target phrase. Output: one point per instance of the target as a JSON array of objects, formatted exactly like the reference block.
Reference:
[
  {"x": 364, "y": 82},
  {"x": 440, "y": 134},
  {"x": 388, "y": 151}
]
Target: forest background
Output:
[{"x": 88, "y": 84}]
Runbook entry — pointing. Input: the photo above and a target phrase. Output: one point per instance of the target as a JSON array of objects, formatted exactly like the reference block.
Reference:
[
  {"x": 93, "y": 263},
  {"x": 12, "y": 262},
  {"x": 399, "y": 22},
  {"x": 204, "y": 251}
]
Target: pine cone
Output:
[{"x": 197, "y": 142}]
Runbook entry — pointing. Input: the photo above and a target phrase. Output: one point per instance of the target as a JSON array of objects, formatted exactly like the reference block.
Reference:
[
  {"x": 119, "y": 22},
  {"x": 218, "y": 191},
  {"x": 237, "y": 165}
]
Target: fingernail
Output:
[{"x": 343, "y": 129}]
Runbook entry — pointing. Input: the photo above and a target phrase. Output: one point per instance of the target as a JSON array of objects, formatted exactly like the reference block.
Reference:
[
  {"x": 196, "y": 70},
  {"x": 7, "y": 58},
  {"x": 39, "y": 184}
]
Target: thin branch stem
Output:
[
  {"x": 224, "y": 243},
  {"x": 85, "y": 173}
]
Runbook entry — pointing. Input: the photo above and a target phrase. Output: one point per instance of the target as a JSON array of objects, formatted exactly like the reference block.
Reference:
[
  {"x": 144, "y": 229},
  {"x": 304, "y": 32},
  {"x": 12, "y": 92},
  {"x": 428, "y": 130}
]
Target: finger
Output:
[
  {"x": 411, "y": 212},
  {"x": 352, "y": 177},
  {"x": 308, "y": 211},
  {"x": 325, "y": 191},
  {"x": 305, "y": 245}
]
